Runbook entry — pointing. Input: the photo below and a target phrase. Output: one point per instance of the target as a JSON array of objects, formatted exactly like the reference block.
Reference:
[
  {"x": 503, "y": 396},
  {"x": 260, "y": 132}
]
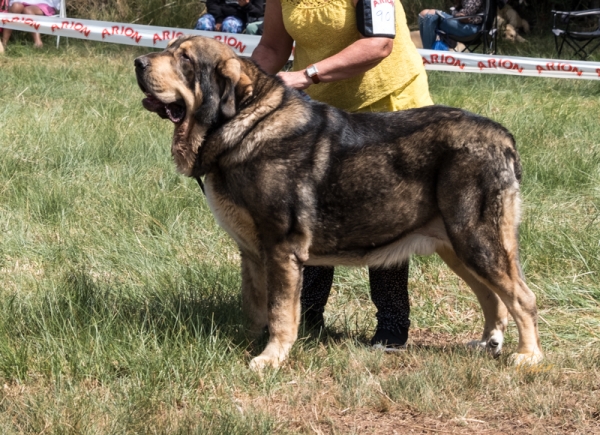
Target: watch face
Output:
[{"x": 311, "y": 70}]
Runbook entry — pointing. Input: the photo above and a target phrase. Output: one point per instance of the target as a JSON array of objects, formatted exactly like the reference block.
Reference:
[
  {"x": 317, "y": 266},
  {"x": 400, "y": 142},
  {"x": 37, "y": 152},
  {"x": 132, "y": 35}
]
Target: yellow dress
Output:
[{"x": 322, "y": 28}]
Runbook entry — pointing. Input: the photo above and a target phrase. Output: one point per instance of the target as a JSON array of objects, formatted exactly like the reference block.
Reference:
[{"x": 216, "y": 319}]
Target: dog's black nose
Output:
[{"x": 141, "y": 62}]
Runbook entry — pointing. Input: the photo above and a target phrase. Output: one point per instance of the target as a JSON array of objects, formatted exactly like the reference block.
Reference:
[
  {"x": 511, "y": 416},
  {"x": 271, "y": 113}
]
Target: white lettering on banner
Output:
[{"x": 244, "y": 45}]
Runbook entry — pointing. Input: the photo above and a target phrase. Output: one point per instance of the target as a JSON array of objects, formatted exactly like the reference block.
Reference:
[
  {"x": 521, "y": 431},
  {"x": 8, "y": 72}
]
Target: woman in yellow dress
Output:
[{"x": 340, "y": 60}]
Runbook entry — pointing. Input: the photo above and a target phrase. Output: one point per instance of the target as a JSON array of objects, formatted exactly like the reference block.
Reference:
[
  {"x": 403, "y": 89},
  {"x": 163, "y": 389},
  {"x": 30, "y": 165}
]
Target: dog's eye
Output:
[{"x": 185, "y": 57}]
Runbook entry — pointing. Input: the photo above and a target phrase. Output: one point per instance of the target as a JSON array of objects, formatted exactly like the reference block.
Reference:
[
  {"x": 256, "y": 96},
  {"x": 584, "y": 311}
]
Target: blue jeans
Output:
[
  {"x": 229, "y": 25},
  {"x": 429, "y": 24}
]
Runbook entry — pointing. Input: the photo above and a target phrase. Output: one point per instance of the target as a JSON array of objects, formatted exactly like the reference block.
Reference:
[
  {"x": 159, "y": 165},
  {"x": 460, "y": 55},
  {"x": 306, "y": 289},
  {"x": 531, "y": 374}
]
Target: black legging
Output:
[{"x": 389, "y": 292}]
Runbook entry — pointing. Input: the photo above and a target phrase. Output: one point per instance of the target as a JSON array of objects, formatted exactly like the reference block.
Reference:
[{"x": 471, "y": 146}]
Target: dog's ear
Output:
[
  {"x": 172, "y": 41},
  {"x": 235, "y": 84}
]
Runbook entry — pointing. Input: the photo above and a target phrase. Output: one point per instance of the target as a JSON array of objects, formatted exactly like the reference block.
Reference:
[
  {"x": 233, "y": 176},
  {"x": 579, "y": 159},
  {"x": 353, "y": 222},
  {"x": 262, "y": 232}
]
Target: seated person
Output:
[
  {"x": 430, "y": 20},
  {"x": 231, "y": 16},
  {"x": 40, "y": 7}
]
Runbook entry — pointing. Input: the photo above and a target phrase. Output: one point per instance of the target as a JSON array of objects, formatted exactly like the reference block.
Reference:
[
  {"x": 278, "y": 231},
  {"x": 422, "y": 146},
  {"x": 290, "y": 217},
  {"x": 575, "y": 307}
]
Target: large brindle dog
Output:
[{"x": 297, "y": 182}]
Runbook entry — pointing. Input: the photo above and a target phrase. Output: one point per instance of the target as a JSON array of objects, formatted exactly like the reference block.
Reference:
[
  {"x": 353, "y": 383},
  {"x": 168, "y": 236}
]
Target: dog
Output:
[
  {"x": 297, "y": 182},
  {"x": 511, "y": 34},
  {"x": 510, "y": 22}
]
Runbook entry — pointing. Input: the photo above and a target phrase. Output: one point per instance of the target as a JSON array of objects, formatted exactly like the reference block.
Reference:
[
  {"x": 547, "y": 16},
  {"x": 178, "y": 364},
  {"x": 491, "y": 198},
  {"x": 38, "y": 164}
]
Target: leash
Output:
[{"x": 201, "y": 184}]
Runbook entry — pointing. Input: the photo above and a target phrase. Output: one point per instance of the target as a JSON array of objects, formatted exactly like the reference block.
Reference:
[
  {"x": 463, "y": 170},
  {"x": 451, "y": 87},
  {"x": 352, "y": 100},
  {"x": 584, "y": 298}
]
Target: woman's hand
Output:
[{"x": 296, "y": 79}]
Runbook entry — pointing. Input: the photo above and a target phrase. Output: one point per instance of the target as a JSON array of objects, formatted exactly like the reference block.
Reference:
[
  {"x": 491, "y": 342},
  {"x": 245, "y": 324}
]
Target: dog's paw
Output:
[
  {"x": 526, "y": 359},
  {"x": 477, "y": 344},
  {"x": 260, "y": 363},
  {"x": 492, "y": 345}
]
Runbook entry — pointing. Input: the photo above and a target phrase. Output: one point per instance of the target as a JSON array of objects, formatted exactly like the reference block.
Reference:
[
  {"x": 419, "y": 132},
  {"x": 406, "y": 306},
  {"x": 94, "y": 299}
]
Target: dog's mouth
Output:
[{"x": 175, "y": 112}]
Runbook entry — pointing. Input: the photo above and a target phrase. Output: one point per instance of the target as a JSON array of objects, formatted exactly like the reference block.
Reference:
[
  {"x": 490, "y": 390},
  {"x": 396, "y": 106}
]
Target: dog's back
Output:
[{"x": 399, "y": 171}]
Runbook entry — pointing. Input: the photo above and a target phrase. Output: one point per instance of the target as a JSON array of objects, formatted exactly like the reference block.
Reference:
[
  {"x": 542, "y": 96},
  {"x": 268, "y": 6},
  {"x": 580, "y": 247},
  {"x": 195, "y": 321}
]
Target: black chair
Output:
[
  {"x": 486, "y": 37},
  {"x": 580, "y": 30}
]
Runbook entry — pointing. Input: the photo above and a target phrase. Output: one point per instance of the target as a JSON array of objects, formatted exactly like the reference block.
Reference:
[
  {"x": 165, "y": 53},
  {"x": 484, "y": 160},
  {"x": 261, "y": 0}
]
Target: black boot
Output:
[
  {"x": 390, "y": 341},
  {"x": 313, "y": 320}
]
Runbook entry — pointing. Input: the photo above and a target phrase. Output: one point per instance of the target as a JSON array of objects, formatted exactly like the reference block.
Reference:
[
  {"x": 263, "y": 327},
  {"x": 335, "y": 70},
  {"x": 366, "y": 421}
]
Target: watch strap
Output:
[{"x": 315, "y": 75}]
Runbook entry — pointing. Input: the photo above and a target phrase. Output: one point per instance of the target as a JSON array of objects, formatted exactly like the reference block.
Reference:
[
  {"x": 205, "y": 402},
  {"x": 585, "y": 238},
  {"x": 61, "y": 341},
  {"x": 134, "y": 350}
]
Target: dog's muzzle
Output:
[{"x": 175, "y": 111}]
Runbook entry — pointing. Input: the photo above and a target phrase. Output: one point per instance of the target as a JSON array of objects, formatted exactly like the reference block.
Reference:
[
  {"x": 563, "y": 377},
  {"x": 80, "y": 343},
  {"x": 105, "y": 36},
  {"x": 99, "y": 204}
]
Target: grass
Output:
[{"x": 119, "y": 301}]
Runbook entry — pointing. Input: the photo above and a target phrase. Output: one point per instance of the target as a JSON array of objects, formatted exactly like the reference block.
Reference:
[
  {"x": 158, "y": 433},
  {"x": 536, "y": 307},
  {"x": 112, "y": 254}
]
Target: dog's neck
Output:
[{"x": 267, "y": 95}]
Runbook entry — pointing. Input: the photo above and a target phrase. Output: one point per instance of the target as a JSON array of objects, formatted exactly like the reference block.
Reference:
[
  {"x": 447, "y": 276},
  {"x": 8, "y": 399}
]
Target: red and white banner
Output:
[
  {"x": 243, "y": 45},
  {"x": 512, "y": 65},
  {"x": 119, "y": 33}
]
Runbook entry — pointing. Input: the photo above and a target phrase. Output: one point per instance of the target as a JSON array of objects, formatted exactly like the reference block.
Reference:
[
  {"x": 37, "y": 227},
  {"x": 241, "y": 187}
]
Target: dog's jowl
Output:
[{"x": 298, "y": 182}]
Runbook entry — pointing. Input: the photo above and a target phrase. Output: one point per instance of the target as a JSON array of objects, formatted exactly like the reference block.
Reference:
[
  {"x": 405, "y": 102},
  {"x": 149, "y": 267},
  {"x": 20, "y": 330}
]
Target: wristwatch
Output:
[{"x": 312, "y": 72}]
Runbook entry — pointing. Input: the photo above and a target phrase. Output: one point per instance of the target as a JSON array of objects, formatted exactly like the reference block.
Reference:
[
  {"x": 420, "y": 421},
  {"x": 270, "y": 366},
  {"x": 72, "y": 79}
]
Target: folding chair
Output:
[
  {"x": 580, "y": 30},
  {"x": 62, "y": 14},
  {"x": 487, "y": 35}
]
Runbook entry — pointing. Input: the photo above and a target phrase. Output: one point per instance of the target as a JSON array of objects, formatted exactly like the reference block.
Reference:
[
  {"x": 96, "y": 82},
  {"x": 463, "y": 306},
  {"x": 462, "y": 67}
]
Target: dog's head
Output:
[
  {"x": 510, "y": 33},
  {"x": 196, "y": 83}
]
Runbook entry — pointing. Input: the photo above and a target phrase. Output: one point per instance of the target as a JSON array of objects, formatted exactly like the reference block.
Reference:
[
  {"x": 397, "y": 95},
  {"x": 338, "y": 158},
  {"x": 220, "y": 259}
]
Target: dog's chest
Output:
[{"x": 235, "y": 220}]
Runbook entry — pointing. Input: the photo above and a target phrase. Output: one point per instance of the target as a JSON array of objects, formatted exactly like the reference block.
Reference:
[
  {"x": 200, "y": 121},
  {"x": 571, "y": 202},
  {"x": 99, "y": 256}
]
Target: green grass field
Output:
[{"x": 119, "y": 295}]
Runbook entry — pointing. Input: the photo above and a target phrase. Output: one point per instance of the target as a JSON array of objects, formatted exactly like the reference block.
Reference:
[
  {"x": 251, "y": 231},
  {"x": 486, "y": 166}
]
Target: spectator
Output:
[
  {"x": 231, "y": 16},
  {"x": 430, "y": 20},
  {"x": 40, "y": 7}
]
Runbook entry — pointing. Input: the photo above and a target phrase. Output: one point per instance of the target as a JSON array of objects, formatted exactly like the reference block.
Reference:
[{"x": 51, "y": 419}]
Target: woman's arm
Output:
[
  {"x": 275, "y": 46},
  {"x": 357, "y": 58}
]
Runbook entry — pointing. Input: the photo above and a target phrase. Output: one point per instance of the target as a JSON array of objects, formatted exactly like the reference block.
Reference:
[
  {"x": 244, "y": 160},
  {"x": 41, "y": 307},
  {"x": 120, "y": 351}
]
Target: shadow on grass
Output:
[{"x": 178, "y": 308}]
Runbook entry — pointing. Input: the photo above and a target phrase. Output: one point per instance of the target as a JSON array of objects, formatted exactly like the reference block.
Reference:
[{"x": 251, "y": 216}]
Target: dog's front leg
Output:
[
  {"x": 254, "y": 294},
  {"x": 284, "y": 283}
]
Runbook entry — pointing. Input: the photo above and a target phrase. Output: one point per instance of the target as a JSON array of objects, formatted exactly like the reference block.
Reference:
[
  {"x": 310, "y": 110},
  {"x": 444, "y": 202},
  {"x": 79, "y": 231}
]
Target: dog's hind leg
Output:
[
  {"x": 494, "y": 310},
  {"x": 284, "y": 283},
  {"x": 481, "y": 215},
  {"x": 500, "y": 271},
  {"x": 521, "y": 303},
  {"x": 254, "y": 294},
  {"x": 491, "y": 256}
]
